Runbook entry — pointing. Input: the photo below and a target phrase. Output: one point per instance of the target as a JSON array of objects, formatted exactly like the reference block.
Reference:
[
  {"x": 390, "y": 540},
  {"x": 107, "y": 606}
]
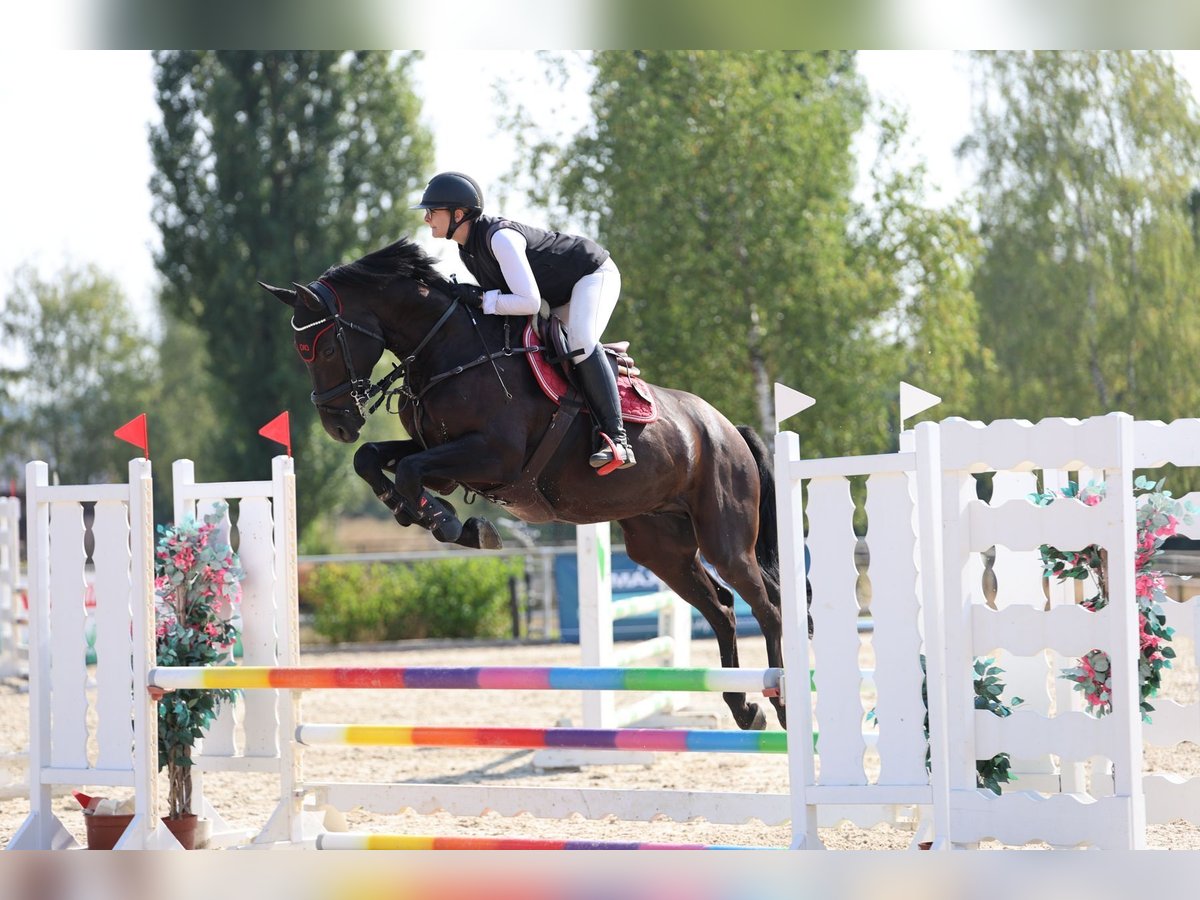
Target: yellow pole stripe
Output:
[
  {"x": 247, "y": 677},
  {"x": 399, "y": 842},
  {"x": 378, "y": 736}
]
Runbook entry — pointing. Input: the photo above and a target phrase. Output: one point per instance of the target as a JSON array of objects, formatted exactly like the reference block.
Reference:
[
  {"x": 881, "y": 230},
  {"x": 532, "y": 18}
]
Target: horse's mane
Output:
[{"x": 402, "y": 259}]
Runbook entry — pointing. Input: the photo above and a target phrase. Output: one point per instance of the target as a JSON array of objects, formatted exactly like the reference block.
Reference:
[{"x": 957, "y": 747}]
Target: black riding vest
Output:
[{"x": 558, "y": 260}]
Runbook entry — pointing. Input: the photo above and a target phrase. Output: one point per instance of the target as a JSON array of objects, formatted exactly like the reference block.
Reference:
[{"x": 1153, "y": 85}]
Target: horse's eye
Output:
[{"x": 328, "y": 352}]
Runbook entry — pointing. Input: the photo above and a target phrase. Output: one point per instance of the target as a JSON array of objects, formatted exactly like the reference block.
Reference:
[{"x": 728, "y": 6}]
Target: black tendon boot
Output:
[
  {"x": 599, "y": 384},
  {"x": 430, "y": 512}
]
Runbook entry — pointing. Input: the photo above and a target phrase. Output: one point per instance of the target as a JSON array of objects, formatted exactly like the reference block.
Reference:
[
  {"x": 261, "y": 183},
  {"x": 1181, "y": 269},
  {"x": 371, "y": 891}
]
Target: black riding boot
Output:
[{"x": 599, "y": 384}]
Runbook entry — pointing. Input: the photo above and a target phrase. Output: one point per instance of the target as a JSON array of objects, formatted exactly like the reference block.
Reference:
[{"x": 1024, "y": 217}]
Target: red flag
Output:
[
  {"x": 279, "y": 430},
  {"x": 134, "y": 432}
]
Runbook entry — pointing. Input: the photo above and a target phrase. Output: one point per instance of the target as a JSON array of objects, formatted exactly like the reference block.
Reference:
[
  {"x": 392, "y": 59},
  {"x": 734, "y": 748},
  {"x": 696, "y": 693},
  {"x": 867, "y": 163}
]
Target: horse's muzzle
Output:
[{"x": 342, "y": 432}]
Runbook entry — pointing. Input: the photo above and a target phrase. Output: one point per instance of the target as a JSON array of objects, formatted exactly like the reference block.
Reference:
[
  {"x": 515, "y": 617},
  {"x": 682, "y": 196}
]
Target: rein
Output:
[
  {"x": 362, "y": 389},
  {"x": 478, "y": 361},
  {"x": 415, "y": 398}
]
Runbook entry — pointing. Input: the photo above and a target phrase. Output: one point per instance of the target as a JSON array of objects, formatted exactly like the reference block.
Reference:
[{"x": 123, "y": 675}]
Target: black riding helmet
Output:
[{"x": 453, "y": 190}]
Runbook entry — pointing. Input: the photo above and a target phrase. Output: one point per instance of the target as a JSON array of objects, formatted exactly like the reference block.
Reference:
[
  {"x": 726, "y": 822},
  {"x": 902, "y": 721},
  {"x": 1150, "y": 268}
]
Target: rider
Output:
[{"x": 518, "y": 266}]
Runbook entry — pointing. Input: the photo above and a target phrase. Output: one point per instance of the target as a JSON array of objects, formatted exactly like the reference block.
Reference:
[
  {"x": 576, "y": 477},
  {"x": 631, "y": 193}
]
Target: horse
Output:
[{"x": 478, "y": 419}]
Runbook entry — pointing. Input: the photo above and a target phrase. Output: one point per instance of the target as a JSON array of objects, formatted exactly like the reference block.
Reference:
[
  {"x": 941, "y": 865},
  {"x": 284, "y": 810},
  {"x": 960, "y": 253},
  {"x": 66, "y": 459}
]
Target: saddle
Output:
[
  {"x": 548, "y": 357},
  {"x": 552, "y": 371}
]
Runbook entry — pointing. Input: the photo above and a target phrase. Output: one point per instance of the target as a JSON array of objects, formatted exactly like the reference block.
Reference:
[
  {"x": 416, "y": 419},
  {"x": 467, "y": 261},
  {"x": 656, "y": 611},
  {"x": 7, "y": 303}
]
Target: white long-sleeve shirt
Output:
[{"x": 509, "y": 247}]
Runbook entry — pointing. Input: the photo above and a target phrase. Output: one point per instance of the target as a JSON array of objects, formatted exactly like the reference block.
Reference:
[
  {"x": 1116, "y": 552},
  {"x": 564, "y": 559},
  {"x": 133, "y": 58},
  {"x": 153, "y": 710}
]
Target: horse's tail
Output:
[{"x": 766, "y": 549}]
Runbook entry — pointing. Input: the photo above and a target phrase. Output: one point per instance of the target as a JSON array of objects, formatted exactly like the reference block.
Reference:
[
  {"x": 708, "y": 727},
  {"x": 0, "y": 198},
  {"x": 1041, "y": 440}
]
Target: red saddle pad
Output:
[{"x": 637, "y": 400}]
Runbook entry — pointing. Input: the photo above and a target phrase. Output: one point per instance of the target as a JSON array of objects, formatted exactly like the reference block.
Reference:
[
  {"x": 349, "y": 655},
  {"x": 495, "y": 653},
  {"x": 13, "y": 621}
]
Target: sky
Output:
[{"x": 76, "y": 164}]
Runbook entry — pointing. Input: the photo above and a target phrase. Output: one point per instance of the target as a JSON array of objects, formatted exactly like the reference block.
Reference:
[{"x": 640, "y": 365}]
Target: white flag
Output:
[
  {"x": 913, "y": 400},
  {"x": 788, "y": 402}
]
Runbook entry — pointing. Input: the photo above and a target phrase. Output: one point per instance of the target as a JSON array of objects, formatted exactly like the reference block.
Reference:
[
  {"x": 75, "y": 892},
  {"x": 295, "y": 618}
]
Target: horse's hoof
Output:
[
  {"x": 480, "y": 534},
  {"x": 757, "y": 720}
]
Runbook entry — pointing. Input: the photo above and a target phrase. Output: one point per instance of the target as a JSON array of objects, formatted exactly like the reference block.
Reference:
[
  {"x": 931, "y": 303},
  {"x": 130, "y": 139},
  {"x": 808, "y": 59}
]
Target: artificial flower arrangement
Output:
[
  {"x": 197, "y": 588},
  {"x": 1158, "y": 518}
]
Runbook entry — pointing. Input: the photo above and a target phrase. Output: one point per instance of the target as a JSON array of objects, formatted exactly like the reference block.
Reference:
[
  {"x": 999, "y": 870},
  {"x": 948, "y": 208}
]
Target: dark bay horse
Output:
[{"x": 478, "y": 419}]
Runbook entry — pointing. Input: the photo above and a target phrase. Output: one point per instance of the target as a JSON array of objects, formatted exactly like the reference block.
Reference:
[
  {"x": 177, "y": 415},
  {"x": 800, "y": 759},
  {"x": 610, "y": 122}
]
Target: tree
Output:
[
  {"x": 183, "y": 412},
  {"x": 922, "y": 258},
  {"x": 722, "y": 184},
  {"x": 275, "y": 166},
  {"x": 76, "y": 366},
  {"x": 1087, "y": 215}
]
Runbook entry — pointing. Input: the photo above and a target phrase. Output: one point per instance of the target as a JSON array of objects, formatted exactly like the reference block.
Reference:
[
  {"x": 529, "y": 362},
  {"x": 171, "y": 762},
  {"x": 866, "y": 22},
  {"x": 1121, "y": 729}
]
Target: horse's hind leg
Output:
[
  {"x": 761, "y": 593},
  {"x": 666, "y": 545},
  {"x": 727, "y": 541}
]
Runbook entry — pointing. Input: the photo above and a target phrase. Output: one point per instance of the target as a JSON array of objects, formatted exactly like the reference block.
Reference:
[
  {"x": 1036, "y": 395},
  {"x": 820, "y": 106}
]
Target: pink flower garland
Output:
[{"x": 1159, "y": 516}]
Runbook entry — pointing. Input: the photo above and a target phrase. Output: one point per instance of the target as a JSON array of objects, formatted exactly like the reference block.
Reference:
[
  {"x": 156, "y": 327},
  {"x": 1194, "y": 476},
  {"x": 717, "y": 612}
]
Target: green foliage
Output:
[
  {"x": 275, "y": 166},
  {"x": 466, "y": 598},
  {"x": 75, "y": 366},
  {"x": 991, "y": 773},
  {"x": 721, "y": 182},
  {"x": 437, "y": 599},
  {"x": 355, "y": 602},
  {"x": 1087, "y": 285},
  {"x": 921, "y": 260},
  {"x": 183, "y": 417}
]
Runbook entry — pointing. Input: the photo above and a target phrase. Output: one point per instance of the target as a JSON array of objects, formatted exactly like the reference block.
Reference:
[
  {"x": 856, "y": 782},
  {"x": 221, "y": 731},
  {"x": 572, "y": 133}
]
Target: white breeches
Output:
[{"x": 593, "y": 300}]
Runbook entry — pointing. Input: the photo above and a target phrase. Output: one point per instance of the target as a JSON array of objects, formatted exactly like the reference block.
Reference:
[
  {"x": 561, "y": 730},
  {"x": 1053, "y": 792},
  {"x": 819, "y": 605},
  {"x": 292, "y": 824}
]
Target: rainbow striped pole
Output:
[
  {"x": 505, "y": 678},
  {"x": 364, "y": 841},
  {"x": 645, "y": 739}
]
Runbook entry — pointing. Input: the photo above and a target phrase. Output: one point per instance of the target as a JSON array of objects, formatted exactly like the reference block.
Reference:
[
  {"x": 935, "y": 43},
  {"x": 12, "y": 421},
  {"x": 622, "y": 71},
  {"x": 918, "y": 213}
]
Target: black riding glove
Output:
[{"x": 470, "y": 295}]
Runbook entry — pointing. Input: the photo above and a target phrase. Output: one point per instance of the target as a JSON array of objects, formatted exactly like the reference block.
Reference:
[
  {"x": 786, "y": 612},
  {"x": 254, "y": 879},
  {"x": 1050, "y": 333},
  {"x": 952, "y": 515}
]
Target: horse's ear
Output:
[
  {"x": 311, "y": 300},
  {"x": 286, "y": 295}
]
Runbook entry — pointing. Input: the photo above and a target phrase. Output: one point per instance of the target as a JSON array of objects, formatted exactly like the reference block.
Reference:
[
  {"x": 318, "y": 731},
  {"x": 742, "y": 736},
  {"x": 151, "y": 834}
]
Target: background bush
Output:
[{"x": 436, "y": 599}]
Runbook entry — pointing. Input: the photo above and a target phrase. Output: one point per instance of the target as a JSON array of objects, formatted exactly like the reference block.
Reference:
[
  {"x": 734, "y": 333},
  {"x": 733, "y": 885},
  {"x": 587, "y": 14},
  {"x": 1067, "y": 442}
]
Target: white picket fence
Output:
[
  {"x": 122, "y": 584},
  {"x": 14, "y": 646},
  {"x": 123, "y": 581},
  {"x": 246, "y": 737},
  {"x": 14, "y": 640},
  {"x": 928, "y": 597}
]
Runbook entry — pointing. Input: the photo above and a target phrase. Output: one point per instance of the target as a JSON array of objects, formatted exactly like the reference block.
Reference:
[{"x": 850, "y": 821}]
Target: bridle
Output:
[{"x": 360, "y": 388}]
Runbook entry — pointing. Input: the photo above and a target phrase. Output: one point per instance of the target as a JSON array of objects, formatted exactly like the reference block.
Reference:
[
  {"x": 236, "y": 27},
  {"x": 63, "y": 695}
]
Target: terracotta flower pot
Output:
[{"x": 103, "y": 832}]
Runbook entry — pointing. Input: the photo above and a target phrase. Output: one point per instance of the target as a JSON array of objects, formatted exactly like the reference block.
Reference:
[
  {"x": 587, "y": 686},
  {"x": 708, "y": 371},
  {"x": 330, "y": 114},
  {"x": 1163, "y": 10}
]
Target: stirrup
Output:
[{"x": 612, "y": 456}]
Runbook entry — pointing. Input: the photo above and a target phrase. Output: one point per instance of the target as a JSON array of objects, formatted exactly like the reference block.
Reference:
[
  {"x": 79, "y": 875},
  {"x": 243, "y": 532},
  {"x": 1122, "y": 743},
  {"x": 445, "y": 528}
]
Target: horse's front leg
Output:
[
  {"x": 372, "y": 460},
  {"x": 442, "y": 468},
  {"x": 438, "y": 516},
  {"x": 470, "y": 459}
]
